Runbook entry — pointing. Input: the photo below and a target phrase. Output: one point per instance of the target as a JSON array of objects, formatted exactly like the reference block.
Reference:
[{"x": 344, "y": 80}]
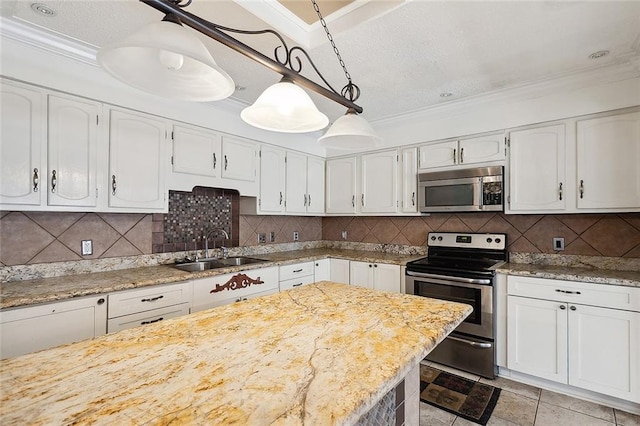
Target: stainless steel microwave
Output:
[{"x": 463, "y": 190}]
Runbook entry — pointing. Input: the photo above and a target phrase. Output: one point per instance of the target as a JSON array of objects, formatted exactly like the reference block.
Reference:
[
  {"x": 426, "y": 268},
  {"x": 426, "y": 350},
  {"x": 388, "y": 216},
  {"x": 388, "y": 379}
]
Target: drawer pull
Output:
[
  {"x": 152, "y": 321},
  {"x": 567, "y": 291},
  {"x": 240, "y": 299},
  {"x": 562, "y": 307},
  {"x": 297, "y": 270},
  {"x": 297, "y": 285},
  {"x": 152, "y": 299}
]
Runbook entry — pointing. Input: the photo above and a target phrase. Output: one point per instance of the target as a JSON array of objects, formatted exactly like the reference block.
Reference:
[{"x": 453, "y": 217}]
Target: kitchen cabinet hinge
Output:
[
  {"x": 259, "y": 202},
  {"x": 509, "y": 199},
  {"x": 96, "y": 193}
]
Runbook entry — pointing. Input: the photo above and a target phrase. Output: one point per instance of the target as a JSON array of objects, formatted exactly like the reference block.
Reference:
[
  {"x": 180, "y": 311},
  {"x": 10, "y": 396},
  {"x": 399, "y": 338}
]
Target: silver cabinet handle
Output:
[
  {"x": 114, "y": 186},
  {"x": 152, "y": 321},
  {"x": 35, "y": 180},
  {"x": 280, "y": 197},
  {"x": 362, "y": 200},
  {"x": 560, "y": 191},
  {"x": 567, "y": 291},
  {"x": 481, "y": 345},
  {"x": 581, "y": 188},
  {"x": 54, "y": 180},
  {"x": 461, "y": 155},
  {"x": 573, "y": 308},
  {"x": 413, "y": 198},
  {"x": 562, "y": 307},
  {"x": 226, "y": 163},
  {"x": 454, "y": 156},
  {"x": 353, "y": 201},
  {"x": 215, "y": 161}
]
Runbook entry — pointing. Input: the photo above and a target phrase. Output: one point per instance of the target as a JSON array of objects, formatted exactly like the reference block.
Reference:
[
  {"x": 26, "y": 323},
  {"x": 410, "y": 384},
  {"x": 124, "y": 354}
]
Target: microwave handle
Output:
[{"x": 480, "y": 188}]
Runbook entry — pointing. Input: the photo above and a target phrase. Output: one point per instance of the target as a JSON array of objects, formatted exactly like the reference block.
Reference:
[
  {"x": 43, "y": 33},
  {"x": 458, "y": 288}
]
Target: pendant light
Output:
[
  {"x": 285, "y": 107},
  {"x": 350, "y": 131},
  {"x": 168, "y": 59}
]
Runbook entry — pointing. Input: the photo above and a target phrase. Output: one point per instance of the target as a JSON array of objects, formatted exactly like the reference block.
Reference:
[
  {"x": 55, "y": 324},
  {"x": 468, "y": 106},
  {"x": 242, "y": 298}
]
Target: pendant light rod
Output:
[{"x": 210, "y": 29}]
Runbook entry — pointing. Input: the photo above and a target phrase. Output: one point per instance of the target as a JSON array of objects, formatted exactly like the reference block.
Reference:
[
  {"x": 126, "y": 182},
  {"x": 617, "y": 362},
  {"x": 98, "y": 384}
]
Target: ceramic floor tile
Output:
[
  {"x": 463, "y": 422},
  {"x": 579, "y": 405},
  {"x": 432, "y": 416},
  {"x": 553, "y": 415},
  {"x": 451, "y": 370},
  {"x": 515, "y": 387},
  {"x": 497, "y": 421},
  {"x": 515, "y": 408},
  {"x": 626, "y": 419}
]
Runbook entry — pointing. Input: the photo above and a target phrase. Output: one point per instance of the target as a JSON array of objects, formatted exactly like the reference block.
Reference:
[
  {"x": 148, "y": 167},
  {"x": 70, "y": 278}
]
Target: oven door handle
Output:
[
  {"x": 449, "y": 278},
  {"x": 482, "y": 345}
]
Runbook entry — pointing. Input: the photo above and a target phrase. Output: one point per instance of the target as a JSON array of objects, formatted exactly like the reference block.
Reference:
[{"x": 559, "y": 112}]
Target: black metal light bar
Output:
[{"x": 211, "y": 30}]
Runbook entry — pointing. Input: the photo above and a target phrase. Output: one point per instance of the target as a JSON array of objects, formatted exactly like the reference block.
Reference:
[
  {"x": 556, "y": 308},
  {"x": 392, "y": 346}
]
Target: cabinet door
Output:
[
  {"x": 29, "y": 329},
  {"x": 537, "y": 169},
  {"x": 608, "y": 154},
  {"x": 340, "y": 271},
  {"x": 195, "y": 151},
  {"x": 537, "y": 338},
  {"x": 272, "y": 179},
  {"x": 361, "y": 273},
  {"x": 322, "y": 270},
  {"x": 438, "y": 155},
  {"x": 72, "y": 152},
  {"x": 604, "y": 354},
  {"x": 315, "y": 185},
  {"x": 137, "y": 161},
  {"x": 239, "y": 159},
  {"x": 379, "y": 182},
  {"x": 22, "y": 138},
  {"x": 409, "y": 180},
  {"x": 341, "y": 185},
  {"x": 296, "y": 183},
  {"x": 386, "y": 277},
  {"x": 482, "y": 149}
]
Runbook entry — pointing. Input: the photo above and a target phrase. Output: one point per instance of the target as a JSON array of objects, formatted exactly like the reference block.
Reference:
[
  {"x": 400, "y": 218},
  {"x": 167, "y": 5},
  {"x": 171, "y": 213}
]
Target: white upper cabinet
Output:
[
  {"x": 483, "y": 149},
  {"x": 196, "y": 151},
  {"x": 315, "y": 185},
  {"x": 537, "y": 177},
  {"x": 608, "y": 162},
  {"x": 272, "y": 179},
  {"x": 341, "y": 185},
  {"x": 239, "y": 159},
  {"x": 305, "y": 184},
  {"x": 137, "y": 161},
  {"x": 72, "y": 152},
  {"x": 22, "y": 141},
  {"x": 409, "y": 180},
  {"x": 379, "y": 187}
]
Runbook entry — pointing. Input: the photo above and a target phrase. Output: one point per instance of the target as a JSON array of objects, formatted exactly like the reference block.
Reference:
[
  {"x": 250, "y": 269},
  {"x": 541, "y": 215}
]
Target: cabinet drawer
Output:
[
  {"x": 211, "y": 291},
  {"x": 296, "y": 282},
  {"x": 148, "y": 298},
  {"x": 148, "y": 317},
  {"x": 288, "y": 272},
  {"x": 609, "y": 296},
  {"x": 236, "y": 299}
]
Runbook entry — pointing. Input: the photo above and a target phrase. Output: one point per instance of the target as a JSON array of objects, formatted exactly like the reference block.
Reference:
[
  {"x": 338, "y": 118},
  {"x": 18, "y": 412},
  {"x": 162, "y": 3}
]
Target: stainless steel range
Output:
[{"x": 459, "y": 268}]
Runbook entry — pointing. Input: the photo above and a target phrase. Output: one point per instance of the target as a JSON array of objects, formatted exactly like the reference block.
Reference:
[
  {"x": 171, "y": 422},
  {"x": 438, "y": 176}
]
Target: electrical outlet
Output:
[
  {"x": 344, "y": 235},
  {"x": 87, "y": 247},
  {"x": 296, "y": 236},
  {"x": 558, "y": 244},
  {"x": 262, "y": 238},
  {"x": 272, "y": 236}
]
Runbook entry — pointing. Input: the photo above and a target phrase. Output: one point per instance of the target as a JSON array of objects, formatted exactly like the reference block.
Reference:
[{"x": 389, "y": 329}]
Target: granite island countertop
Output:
[
  {"x": 43, "y": 290},
  {"x": 321, "y": 354}
]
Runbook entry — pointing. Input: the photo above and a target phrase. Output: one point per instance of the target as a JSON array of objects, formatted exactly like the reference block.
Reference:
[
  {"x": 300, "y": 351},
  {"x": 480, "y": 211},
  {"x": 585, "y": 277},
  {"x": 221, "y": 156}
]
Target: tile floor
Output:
[{"x": 525, "y": 405}]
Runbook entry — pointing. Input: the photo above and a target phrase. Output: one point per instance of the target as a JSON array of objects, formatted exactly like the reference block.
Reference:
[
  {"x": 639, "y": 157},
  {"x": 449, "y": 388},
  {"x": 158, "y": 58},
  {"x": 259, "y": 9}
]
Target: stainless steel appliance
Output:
[
  {"x": 459, "y": 268},
  {"x": 464, "y": 190}
]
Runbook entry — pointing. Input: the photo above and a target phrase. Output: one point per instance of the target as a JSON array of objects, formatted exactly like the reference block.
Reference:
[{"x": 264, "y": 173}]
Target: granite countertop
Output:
[
  {"x": 320, "y": 354},
  {"x": 42, "y": 290},
  {"x": 572, "y": 273}
]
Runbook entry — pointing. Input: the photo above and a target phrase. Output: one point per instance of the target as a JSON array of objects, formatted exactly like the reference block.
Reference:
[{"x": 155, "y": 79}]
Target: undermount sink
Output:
[{"x": 204, "y": 265}]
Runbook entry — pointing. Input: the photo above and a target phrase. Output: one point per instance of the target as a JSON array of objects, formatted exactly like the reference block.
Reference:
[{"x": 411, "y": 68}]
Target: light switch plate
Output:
[{"x": 87, "y": 247}]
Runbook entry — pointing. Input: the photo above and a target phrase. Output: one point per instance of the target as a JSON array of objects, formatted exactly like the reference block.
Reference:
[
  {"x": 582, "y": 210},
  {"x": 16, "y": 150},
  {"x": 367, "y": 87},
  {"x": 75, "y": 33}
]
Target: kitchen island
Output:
[{"x": 321, "y": 354}]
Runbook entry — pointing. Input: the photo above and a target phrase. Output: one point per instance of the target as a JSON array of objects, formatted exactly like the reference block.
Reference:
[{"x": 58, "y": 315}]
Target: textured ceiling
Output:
[{"x": 404, "y": 58}]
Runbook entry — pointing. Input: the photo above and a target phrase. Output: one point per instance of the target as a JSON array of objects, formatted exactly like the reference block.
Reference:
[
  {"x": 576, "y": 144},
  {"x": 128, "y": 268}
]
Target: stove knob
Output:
[
  {"x": 433, "y": 238},
  {"x": 439, "y": 238},
  {"x": 489, "y": 240},
  {"x": 498, "y": 240}
]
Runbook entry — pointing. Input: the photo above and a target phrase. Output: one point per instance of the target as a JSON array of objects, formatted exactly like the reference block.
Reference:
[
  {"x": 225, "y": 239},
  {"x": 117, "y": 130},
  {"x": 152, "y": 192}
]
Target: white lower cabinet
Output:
[
  {"x": 235, "y": 287},
  {"x": 582, "y": 334},
  {"x": 143, "y": 306},
  {"x": 378, "y": 276},
  {"x": 296, "y": 275},
  {"x": 32, "y": 328}
]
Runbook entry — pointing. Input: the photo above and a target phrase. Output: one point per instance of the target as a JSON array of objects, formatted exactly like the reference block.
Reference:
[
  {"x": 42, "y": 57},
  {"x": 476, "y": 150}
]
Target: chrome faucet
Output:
[{"x": 206, "y": 241}]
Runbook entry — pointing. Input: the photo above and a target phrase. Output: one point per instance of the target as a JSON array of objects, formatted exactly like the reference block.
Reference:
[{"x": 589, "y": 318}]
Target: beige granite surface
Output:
[
  {"x": 559, "y": 272},
  {"x": 321, "y": 354},
  {"x": 42, "y": 290}
]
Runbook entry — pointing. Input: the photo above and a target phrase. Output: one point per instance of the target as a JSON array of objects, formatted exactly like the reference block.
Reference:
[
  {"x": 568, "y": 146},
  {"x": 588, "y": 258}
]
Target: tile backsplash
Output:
[{"x": 610, "y": 235}]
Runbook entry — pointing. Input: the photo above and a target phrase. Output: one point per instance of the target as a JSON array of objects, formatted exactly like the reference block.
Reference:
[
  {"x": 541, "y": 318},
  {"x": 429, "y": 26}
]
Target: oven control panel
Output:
[{"x": 470, "y": 240}]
